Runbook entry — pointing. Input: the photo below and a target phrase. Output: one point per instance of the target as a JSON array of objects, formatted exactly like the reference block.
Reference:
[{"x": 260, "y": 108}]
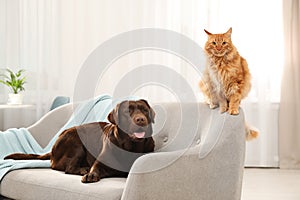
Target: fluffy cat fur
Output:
[{"x": 226, "y": 79}]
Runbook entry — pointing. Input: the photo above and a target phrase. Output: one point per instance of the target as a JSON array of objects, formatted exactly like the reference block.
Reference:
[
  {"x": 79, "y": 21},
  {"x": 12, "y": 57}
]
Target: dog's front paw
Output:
[
  {"x": 84, "y": 170},
  {"x": 90, "y": 177}
]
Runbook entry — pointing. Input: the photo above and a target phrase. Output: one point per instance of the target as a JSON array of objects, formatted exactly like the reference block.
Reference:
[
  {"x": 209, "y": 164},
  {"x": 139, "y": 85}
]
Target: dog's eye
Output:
[{"x": 145, "y": 110}]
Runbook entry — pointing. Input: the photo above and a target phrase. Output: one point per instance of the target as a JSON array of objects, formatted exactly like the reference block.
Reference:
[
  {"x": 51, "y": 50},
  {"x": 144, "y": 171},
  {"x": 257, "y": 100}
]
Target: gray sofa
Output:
[{"x": 199, "y": 155}]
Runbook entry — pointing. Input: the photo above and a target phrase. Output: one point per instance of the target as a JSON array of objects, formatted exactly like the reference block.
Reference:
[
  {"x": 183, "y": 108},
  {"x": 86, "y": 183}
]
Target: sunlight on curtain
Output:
[{"x": 52, "y": 39}]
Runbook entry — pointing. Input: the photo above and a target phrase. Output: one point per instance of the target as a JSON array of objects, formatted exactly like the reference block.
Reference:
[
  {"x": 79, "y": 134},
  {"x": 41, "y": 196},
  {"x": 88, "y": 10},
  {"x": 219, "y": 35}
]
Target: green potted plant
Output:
[{"x": 15, "y": 82}]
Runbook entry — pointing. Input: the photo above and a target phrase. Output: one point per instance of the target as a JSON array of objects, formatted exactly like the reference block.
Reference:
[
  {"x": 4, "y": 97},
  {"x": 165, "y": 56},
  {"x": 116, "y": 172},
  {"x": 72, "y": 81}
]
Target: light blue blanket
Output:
[{"x": 21, "y": 140}]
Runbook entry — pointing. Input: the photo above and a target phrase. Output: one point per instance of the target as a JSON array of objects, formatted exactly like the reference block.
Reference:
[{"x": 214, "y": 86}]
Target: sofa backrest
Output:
[
  {"x": 45, "y": 128},
  {"x": 180, "y": 125},
  {"x": 177, "y": 125}
]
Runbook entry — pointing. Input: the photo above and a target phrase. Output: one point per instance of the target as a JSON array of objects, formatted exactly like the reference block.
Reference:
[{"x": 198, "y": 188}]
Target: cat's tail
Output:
[
  {"x": 23, "y": 156},
  {"x": 251, "y": 132}
]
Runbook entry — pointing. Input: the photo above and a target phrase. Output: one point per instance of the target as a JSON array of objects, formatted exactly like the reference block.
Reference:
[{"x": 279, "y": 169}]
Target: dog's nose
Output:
[{"x": 140, "y": 120}]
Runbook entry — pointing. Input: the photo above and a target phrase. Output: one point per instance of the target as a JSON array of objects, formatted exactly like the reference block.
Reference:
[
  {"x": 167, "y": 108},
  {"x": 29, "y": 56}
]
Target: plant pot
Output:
[{"x": 15, "y": 99}]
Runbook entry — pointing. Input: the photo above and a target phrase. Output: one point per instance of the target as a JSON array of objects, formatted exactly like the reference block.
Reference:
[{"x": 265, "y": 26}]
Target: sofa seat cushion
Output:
[{"x": 50, "y": 184}]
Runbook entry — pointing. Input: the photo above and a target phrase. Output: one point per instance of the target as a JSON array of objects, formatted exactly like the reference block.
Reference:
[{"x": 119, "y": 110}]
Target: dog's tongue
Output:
[{"x": 139, "y": 135}]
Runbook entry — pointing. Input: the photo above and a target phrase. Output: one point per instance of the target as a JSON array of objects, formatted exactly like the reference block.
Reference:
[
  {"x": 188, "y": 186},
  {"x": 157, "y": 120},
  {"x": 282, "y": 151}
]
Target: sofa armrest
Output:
[
  {"x": 45, "y": 128},
  {"x": 209, "y": 170}
]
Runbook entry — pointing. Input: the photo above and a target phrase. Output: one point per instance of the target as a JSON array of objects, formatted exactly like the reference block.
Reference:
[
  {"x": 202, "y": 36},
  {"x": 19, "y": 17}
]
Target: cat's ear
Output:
[
  {"x": 228, "y": 33},
  {"x": 208, "y": 33}
]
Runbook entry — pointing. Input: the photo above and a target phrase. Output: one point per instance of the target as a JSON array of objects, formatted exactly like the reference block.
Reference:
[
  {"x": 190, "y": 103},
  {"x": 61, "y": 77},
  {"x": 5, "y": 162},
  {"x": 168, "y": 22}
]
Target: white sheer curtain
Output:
[
  {"x": 289, "y": 128},
  {"x": 52, "y": 39}
]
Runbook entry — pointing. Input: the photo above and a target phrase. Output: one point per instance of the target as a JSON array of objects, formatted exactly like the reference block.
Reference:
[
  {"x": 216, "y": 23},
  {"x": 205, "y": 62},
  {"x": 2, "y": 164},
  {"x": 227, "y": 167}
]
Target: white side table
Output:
[{"x": 16, "y": 116}]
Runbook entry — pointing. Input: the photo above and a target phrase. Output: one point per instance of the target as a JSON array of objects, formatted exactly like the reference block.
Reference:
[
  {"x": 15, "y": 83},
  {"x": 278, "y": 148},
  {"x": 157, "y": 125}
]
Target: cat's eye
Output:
[
  {"x": 214, "y": 43},
  {"x": 223, "y": 43}
]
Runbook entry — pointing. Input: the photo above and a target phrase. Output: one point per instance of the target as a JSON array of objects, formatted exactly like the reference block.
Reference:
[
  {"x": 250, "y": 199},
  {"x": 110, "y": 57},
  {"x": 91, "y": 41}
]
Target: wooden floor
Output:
[{"x": 271, "y": 184}]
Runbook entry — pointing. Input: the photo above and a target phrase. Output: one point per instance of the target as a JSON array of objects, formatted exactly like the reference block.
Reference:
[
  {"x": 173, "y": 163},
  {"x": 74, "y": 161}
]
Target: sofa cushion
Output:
[{"x": 50, "y": 184}]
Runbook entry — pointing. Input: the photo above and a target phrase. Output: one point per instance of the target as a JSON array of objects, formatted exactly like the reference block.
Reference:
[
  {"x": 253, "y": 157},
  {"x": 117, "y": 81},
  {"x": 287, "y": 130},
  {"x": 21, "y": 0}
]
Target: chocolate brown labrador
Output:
[{"x": 98, "y": 150}]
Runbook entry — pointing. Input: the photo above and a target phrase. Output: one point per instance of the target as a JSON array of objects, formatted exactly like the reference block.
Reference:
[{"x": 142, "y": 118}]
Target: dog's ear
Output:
[
  {"x": 113, "y": 116},
  {"x": 152, "y": 113}
]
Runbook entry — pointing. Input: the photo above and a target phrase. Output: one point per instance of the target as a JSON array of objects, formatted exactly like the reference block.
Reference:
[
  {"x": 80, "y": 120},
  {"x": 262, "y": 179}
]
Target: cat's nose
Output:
[{"x": 219, "y": 48}]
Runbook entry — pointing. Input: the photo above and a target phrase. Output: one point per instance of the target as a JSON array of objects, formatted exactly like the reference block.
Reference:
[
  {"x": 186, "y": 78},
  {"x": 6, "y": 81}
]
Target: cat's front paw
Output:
[
  {"x": 233, "y": 111},
  {"x": 213, "y": 106},
  {"x": 223, "y": 106},
  {"x": 90, "y": 177},
  {"x": 223, "y": 109}
]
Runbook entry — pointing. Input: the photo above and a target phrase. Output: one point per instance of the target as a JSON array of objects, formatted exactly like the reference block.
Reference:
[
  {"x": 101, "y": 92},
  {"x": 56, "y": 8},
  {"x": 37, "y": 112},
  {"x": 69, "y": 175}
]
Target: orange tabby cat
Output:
[{"x": 226, "y": 79}]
